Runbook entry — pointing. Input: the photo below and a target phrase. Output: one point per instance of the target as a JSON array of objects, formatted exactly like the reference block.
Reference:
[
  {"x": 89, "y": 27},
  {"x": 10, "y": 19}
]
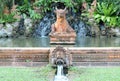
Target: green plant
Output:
[
  {"x": 108, "y": 13},
  {"x": 34, "y": 15},
  {"x": 26, "y": 9},
  {"x": 118, "y": 21},
  {"x": 2, "y": 7},
  {"x": 89, "y": 1},
  {"x": 106, "y": 9},
  {"x": 43, "y": 5},
  {"x": 46, "y": 5},
  {"x": 8, "y": 18},
  {"x": 9, "y": 4},
  {"x": 5, "y": 3}
]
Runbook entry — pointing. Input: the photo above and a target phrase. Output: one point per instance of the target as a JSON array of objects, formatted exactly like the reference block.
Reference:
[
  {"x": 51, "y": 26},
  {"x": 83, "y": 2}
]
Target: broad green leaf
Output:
[{"x": 108, "y": 19}]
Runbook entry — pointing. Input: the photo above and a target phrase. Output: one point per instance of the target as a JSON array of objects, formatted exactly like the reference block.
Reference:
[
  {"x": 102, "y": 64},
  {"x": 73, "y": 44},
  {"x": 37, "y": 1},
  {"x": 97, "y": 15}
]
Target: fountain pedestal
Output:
[{"x": 63, "y": 38}]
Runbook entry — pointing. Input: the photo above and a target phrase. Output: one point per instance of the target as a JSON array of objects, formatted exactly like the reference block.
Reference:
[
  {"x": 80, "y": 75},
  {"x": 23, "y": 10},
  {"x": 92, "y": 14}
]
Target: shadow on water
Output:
[{"x": 45, "y": 42}]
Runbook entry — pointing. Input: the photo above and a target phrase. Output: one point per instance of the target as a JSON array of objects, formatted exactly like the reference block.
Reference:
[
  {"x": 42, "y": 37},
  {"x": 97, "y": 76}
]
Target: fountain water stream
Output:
[
  {"x": 60, "y": 75},
  {"x": 59, "y": 70},
  {"x": 43, "y": 28}
]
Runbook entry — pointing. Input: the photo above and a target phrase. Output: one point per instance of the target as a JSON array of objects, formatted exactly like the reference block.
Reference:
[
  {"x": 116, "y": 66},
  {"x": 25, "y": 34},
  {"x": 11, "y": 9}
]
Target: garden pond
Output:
[{"x": 45, "y": 42}]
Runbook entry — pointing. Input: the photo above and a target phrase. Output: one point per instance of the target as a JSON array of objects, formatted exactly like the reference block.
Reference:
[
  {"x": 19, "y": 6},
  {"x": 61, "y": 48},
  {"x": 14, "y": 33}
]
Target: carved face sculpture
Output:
[{"x": 60, "y": 54}]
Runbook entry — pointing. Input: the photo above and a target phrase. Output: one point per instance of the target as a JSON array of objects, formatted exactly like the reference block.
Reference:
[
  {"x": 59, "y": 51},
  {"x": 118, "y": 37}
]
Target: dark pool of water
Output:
[{"x": 44, "y": 42}]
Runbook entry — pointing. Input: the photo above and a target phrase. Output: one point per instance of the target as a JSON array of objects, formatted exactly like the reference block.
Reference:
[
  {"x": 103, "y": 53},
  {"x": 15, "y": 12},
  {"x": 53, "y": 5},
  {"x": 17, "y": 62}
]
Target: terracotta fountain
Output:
[
  {"x": 62, "y": 32},
  {"x": 61, "y": 56}
]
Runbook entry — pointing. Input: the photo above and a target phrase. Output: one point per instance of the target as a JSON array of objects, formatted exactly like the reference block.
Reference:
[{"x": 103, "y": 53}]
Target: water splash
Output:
[
  {"x": 21, "y": 28},
  {"x": 82, "y": 29},
  {"x": 60, "y": 76},
  {"x": 44, "y": 26}
]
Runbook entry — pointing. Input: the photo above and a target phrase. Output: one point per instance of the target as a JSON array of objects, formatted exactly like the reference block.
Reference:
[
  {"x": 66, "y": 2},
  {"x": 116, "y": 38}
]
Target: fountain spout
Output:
[
  {"x": 60, "y": 56},
  {"x": 60, "y": 61}
]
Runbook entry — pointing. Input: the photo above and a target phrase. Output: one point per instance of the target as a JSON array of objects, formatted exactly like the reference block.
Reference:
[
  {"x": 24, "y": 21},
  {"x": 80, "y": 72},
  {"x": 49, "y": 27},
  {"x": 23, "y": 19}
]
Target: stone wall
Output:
[
  {"x": 28, "y": 29},
  {"x": 80, "y": 56},
  {"x": 106, "y": 31},
  {"x": 103, "y": 30},
  {"x": 13, "y": 29}
]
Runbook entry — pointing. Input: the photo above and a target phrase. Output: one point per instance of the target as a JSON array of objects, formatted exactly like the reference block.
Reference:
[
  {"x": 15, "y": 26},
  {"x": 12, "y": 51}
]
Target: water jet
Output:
[{"x": 60, "y": 59}]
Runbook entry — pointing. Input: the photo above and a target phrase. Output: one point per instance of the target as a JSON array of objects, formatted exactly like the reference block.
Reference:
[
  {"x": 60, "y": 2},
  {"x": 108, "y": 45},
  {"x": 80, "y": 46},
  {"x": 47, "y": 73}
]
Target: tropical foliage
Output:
[
  {"x": 46, "y": 5},
  {"x": 2, "y": 5},
  {"x": 6, "y": 17},
  {"x": 108, "y": 12},
  {"x": 26, "y": 9}
]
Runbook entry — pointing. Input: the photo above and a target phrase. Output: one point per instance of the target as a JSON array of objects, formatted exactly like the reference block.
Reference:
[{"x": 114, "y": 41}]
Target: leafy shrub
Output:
[
  {"x": 8, "y": 18},
  {"x": 108, "y": 12},
  {"x": 34, "y": 15},
  {"x": 89, "y": 1},
  {"x": 46, "y": 5},
  {"x": 26, "y": 9},
  {"x": 2, "y": 7},
  {"x": 106, "y": 9}
]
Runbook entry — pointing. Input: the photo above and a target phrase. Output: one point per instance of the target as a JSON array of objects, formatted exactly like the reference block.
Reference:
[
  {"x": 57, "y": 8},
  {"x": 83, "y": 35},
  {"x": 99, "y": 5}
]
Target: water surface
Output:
[{"x": 44, "y": 42}]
